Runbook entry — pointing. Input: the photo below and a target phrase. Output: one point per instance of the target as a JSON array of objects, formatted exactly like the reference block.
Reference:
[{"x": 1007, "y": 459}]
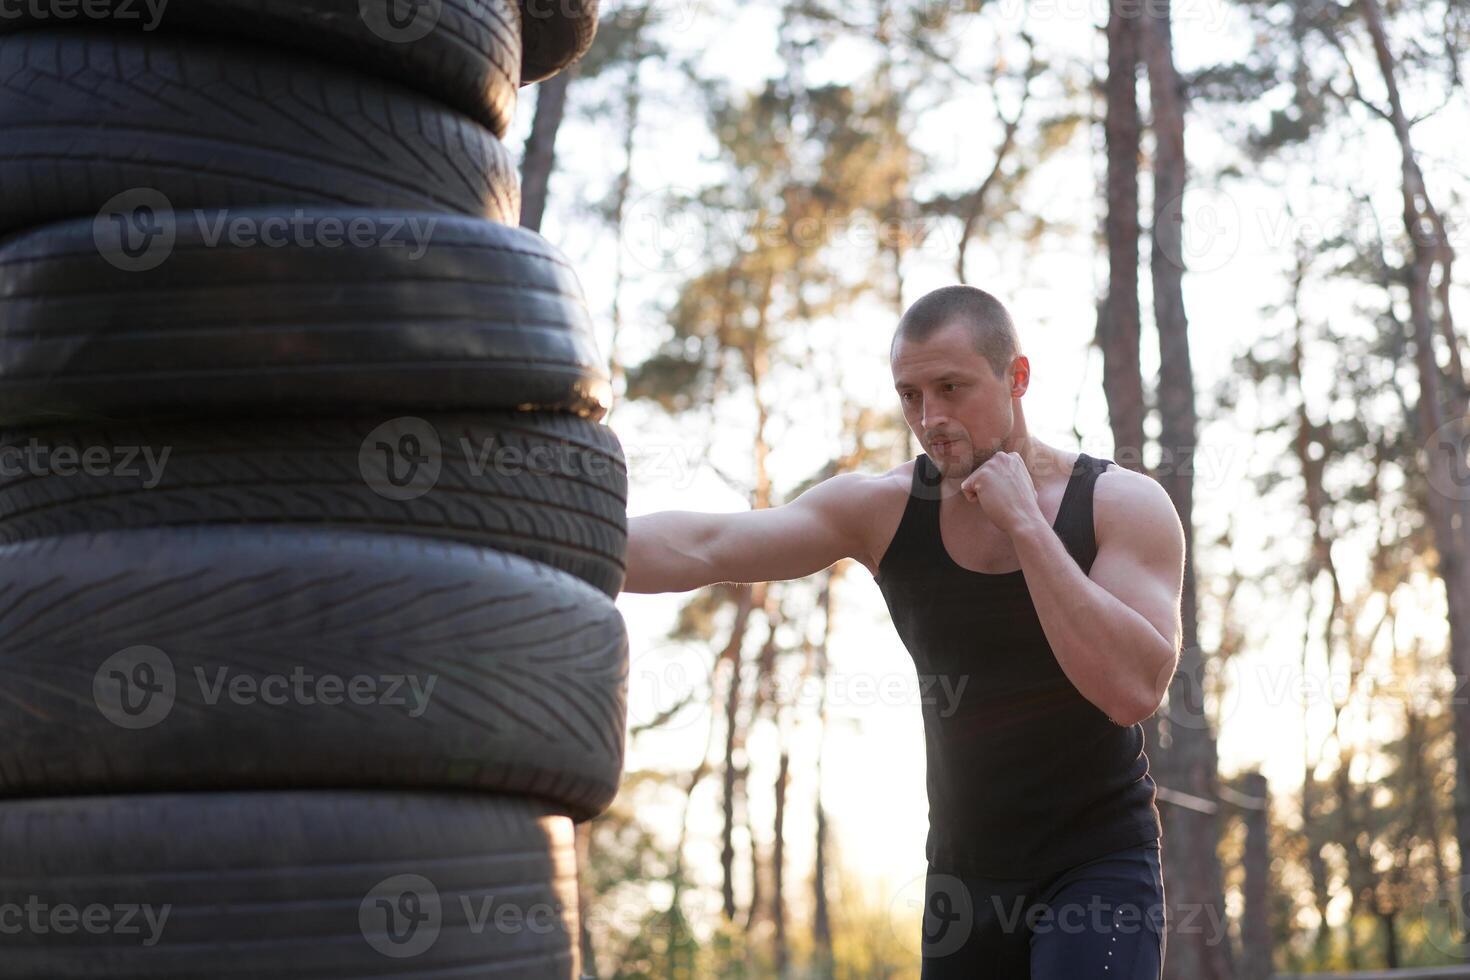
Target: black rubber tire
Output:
[
  {"x": 528, "y": 667},
  {"x": 288, "y": 884},
  {"x": 554, "y": 33},
  {"x": 466, "y": 53},
  {"x": 88, "y": 117},
  {"x": 547, "y": 487},
  {"x": 487, "y": 317}
]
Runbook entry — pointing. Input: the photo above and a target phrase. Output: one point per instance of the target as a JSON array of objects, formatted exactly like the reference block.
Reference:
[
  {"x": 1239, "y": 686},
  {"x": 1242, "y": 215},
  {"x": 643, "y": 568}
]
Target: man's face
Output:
[{"x": 956, "y": 406}]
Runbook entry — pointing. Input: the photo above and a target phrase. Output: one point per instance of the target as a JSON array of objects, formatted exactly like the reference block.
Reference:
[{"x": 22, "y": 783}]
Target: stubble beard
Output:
[{"x": 959, "y": 469}]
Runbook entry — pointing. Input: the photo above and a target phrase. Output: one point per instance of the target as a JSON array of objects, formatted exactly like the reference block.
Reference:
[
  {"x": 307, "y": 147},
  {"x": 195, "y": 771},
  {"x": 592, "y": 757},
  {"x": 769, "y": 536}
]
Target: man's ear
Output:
[{"x": 1020, "y": 375}]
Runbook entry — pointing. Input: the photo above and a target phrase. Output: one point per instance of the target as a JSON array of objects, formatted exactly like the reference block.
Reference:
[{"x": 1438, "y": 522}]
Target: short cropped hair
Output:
[{"x": 986, "y": 318}]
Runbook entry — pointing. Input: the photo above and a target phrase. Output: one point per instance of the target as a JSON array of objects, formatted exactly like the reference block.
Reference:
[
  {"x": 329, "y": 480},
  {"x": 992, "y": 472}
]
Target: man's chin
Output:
[{"x": 952, "y": 464}]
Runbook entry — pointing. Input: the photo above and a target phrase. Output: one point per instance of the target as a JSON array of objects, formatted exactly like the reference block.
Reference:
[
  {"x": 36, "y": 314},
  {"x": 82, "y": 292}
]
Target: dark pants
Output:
[{"x": 1100, "y": 920}]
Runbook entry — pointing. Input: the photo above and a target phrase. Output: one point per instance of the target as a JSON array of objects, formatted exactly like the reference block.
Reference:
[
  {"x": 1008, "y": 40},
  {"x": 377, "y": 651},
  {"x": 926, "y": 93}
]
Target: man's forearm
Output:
[
  {"x": 666, "y": 551},
  {"x": 1111, "y": 654}
]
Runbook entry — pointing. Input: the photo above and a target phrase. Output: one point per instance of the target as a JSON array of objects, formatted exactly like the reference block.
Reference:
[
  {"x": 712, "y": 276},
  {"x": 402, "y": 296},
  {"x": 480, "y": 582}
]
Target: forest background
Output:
[{"x": 1226, "y": 231}]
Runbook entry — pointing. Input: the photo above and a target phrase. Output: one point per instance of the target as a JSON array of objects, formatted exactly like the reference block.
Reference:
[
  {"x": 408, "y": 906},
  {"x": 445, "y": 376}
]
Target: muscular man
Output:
[{"x": 1042, "y": 584}]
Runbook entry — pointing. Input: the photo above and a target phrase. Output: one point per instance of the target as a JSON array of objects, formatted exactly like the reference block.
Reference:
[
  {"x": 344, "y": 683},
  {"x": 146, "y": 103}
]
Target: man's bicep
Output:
[
  {"x": 794, "y": 540},
  {"x": 1140, "y": 554}
]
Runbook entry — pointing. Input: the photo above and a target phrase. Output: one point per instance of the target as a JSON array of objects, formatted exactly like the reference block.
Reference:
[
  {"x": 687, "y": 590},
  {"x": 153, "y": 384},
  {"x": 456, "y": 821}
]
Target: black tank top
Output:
[{"x": 1026, "y": 777}]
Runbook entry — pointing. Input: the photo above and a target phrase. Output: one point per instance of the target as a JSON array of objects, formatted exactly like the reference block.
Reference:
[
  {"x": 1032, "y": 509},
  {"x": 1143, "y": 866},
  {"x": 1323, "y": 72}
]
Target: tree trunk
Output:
[
  {"x": 539, "y": 158},
  {"x": 756, "y": 910},
  {"x": 1118, "y": 318},
  {"x": 1317, "y": 866},
  {"x": 778, "y": 867},
  {"x": 1424, "y": 820},
  {"x": 631, "y": 103},
  {"x": 744, "y": 605},
  {"x": 1390, "y": 939},
  {"x": 584, "y": 898},
  {"x": 536, "y": 165},
  {"x": 1255, "y": 923},
  {"x": 755, "y": 358},
  {"x": 1193, "y": 878},
  {"x": 1443, "y": 438},
  {"x": 1319, "y": 559},
  {"x": 727, "y": 794},
  {"x": 1118, "y": 313},
  {"x": 821, "y": 916},
  {"x": 765, "y": 667},
  {"x": 1355, "y": 826}
]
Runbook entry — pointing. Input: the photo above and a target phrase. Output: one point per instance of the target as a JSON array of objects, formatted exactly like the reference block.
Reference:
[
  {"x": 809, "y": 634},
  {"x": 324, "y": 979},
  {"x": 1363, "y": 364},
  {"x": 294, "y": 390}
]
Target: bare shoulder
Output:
[
  {"x": 1135, "y": 504},
  {"x": 884, "y": 499},
  {"x": 848, "y": 504}
]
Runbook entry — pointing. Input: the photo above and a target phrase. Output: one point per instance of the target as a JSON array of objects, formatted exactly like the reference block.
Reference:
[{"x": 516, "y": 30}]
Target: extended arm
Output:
[{"x": 680, "y": 550}]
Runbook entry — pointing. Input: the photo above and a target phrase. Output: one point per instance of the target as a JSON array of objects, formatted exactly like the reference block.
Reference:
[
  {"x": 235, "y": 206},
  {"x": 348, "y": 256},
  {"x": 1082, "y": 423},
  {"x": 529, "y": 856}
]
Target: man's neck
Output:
[{"x": 1043, "y": 462}]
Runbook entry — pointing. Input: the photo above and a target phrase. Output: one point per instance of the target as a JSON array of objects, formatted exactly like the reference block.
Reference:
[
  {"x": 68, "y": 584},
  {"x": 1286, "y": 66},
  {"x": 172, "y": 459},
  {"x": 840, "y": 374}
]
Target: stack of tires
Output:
[{"x": 309, "y": 529}]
